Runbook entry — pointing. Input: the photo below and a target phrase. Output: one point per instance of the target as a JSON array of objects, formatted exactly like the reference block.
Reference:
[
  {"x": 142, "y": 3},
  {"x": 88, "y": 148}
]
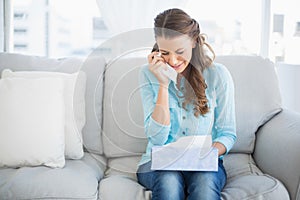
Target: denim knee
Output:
[
  {"x": 163, "y": 184},
  {"x": 168, "y": 185},
  {"x": 205, "y": 185}
]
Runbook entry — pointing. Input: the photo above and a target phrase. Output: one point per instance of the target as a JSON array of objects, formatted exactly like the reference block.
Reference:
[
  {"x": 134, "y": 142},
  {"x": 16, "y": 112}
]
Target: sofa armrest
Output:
[{"x": 277, "y": 150}]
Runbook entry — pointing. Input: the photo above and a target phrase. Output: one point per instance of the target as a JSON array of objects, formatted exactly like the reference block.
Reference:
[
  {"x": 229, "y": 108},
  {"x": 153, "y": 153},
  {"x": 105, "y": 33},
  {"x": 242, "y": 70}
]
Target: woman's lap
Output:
[{"x": 178, "y": 184}]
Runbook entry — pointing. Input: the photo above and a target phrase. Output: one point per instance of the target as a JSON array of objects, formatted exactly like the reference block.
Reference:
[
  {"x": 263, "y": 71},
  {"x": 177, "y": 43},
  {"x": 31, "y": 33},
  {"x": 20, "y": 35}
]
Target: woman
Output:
[{"x": 200, "y": 102}]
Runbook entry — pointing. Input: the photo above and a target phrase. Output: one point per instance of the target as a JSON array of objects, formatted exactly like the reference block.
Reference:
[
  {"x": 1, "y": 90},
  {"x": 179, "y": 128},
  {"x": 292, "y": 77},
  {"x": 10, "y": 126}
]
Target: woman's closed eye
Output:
[{"x": 177, "y": 52}]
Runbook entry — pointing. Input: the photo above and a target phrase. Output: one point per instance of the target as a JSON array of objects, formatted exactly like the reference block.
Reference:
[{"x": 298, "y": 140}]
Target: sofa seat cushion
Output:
[
  {"x": 121, "y": 176},
  {"x": 128, "y": 189},
  {"x": 244, "y": 180},
  {"x": 77, "y": 180}
]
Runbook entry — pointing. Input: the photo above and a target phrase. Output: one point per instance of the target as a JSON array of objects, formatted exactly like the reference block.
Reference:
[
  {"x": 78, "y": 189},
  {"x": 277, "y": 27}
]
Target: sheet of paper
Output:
[{"x": 190, "y": 153}]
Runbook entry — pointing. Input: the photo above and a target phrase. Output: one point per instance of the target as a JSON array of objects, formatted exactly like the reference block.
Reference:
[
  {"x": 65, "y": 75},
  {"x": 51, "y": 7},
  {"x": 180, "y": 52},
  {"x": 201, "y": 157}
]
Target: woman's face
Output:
[{"x": 177, "y": 52}]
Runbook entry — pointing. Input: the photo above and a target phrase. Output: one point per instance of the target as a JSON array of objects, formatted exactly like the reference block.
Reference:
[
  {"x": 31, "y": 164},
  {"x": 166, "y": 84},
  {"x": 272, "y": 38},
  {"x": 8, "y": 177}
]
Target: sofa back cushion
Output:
[
  {"x": 93, "y": 68},
  {"x": 257, "y": 99},
  {"x": 257, "y": 96},
  {"x": 123, "y": 128}
]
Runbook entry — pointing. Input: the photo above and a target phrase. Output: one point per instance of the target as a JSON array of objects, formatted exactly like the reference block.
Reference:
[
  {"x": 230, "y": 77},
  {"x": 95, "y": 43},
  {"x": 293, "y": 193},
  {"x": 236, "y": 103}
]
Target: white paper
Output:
[
  {"x": 170, "y": 73},
  {"x": 190, "y": 153}
]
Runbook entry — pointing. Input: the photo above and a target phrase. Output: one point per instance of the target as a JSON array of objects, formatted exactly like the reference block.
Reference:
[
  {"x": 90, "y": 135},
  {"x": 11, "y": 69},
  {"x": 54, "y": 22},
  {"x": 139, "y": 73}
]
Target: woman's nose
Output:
[{"x": 172, "y": 59}]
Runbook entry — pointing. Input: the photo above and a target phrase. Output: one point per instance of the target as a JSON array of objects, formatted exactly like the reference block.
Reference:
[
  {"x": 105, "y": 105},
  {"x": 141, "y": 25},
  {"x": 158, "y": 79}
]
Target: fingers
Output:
[
  {"x": 157, "y": 66},
  {"x": 155, "y": 61},
  {"x": 154, "y": 57}
]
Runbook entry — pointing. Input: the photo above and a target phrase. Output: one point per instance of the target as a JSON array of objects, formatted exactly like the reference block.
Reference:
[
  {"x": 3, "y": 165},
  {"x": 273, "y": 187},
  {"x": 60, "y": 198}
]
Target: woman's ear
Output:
[
  {"x": 194, "y": 43},
  {"x": 197, "y": 41}
]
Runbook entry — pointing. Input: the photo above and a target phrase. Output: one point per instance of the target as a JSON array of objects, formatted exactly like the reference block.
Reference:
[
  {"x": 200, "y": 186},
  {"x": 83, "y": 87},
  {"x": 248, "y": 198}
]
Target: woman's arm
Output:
[
  {"x": 161, "y": 113},
  {"x": 224, "y": 123},
  {"x": 155, "y": 100}
]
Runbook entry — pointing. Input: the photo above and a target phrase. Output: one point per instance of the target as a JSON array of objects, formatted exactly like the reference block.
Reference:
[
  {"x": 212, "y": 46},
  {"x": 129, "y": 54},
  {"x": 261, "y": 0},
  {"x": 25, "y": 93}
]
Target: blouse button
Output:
[{"x": 183, "y": 132}]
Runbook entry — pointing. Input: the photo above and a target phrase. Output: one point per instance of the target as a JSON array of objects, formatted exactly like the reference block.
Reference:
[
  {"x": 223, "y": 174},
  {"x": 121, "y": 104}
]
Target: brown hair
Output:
[{"x": 175, "y": 22}]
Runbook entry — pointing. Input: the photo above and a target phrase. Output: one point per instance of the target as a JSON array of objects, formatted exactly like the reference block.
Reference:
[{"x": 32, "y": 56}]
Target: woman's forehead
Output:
[{"x": 173, "y": 44}]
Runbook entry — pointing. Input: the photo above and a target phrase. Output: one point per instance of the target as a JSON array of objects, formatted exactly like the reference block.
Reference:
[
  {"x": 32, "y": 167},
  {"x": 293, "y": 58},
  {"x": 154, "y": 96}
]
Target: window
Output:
[
  {"x": 20, "y": 30},
  {"x": 19, "y": 15},
  {"x": 56, "y": 28},
  {"x": 22, "y": 47},
  {"x": 60, "y": 28},
  {"x": 285, "y": 31},
  {"x": 232, "y": 26}
]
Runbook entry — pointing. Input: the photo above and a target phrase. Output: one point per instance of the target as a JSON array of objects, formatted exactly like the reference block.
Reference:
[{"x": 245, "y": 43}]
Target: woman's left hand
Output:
[{"x": 221, "y": 148}]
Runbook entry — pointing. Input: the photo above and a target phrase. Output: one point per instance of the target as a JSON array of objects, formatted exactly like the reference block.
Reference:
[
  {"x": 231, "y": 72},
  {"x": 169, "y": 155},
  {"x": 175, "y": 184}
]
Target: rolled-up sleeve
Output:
[
  {"x": 156, "y": 133},
  {"x": 224, "y": 122}
]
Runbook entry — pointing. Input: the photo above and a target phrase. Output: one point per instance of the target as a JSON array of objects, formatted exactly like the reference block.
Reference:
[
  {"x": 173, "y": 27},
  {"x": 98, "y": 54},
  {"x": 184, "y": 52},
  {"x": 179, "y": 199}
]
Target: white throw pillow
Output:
[
  {"x": 74, "y": 106},
  {"x": 32, "y": 122}
]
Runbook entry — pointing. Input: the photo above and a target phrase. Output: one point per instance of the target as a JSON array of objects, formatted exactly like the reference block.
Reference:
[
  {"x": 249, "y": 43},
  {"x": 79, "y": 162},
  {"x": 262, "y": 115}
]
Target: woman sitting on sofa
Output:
[{"x": 199, "y": 102}]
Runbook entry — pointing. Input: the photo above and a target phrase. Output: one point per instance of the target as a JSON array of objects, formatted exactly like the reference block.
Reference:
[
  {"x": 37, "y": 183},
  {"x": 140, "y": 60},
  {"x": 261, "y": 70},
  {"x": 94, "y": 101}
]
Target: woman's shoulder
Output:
[
  {"x": 145, "y": 74},
  {"x": 217, "y": 72},
  {"x": 217, "y": 68},
  {"x": 144, "y": 69}
]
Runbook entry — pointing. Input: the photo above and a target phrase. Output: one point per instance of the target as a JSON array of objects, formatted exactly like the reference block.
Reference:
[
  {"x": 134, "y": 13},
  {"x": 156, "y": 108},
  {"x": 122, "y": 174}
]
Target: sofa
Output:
[{"x": 263, "y": 164}]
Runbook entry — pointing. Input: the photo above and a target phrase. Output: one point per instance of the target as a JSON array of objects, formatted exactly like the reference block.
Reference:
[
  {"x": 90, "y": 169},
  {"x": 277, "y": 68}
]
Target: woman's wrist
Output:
[{"x": 163, "y": 86}]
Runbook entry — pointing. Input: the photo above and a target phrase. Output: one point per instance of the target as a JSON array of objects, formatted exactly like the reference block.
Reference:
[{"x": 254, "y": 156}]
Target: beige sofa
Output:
[{"x": 263, "y": 164}]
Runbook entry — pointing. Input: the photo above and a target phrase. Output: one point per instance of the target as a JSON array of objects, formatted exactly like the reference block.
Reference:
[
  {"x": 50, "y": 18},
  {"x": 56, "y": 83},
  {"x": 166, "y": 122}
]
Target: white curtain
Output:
[
  {"x": 1, "y": 25},
  {"x": 127, "y": 15},
  {"x": 5, "y": 25}
]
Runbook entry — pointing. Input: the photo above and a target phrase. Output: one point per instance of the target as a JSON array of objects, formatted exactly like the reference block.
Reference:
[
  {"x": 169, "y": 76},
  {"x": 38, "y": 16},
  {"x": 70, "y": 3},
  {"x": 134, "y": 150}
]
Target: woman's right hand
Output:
[{"x": 156, "y": 65}]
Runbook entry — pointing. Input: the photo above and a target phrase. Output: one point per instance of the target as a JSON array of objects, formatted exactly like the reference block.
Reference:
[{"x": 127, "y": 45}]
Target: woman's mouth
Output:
[{"x": 177, "y": 66}]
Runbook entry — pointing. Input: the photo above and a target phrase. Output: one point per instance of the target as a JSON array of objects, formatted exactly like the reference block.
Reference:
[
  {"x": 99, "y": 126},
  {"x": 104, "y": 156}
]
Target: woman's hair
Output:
[{"x": 175, "y": 22}]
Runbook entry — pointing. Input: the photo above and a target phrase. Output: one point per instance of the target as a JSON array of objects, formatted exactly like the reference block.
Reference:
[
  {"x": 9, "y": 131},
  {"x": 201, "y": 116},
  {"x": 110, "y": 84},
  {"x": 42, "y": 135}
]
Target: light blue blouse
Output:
[{"x": 219, "y": 121}]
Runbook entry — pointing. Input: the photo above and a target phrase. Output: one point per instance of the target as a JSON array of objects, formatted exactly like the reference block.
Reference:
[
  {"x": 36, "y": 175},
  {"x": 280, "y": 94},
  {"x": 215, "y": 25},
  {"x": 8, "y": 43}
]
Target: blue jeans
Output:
[{"x": 175, "y": 185}]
